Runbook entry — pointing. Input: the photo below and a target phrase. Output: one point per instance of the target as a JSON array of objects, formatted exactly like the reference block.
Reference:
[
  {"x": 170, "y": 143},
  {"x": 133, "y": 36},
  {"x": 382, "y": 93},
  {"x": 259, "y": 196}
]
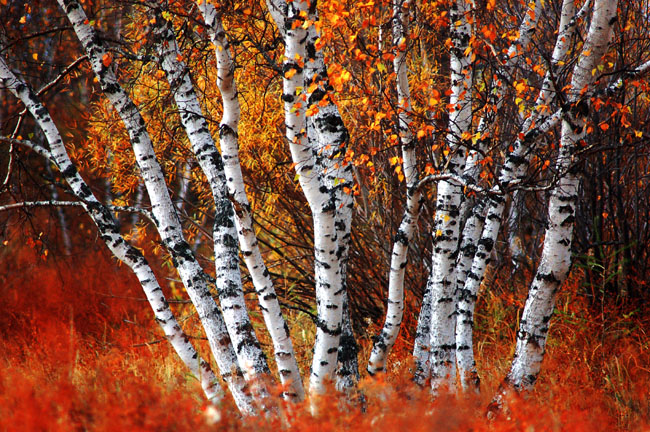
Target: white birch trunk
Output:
[
  {"x": 329, "y": 292},
  {"x": 347, "y": 372},
  {"x": 226, "y": 248},
  {"x": 327, "y": 138},
  {"x": 514, "y": 169},
  {"x": 109, "y": 232},
  {"x": 495, "y": 97},
  {"x": 473, "y": 226},
  {"x": 164, "y": 212},
  {"x": 449, "y": 197},
  {"x": 395, "y": 306},
  {"x": 556, "y": 254},
  {"x": 275, "y": 322},
  {"x": 421, "y": 351}
]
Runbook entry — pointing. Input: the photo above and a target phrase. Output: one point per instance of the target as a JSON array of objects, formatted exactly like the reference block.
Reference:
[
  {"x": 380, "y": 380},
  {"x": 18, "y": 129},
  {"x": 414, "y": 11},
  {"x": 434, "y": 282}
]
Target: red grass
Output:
[{"x": 72, "y": 358}]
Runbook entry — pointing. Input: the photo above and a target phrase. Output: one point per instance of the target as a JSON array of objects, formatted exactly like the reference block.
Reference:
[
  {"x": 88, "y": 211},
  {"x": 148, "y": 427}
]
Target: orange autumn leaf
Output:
[
  {"x": 290, "y": 73},
  {"x": 107, "y": 59}
]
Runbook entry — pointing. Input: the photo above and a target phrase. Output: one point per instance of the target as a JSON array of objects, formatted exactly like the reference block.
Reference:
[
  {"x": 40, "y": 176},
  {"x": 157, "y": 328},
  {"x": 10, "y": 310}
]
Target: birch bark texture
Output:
[
  {"x": 320, "y": 197},
  {"x": 226, "y": 248},
  {"x": 110, "y": 234},
  {"x": 229, "y": 142},
  {"x": 164, "y": 212},
  {"x": 442, "y": 344},
  {"x": 513, "y": 170},
  {"x": 395, "y": 303},
  {"x": 556, "y": 254}
]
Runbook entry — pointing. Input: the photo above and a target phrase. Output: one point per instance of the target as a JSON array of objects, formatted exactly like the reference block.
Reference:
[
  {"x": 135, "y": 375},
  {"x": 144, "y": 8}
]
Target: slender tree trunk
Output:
[
  {"x": 164, "y": 212},
  {"x": 446, "y": 225},
  {"x": 395, "y": 306},
  {"x": 327, "y": 138},
  {"x": 513, "y": 170},
  {"x": 229, "y": 140},
  {"x": 109, "y": 232},
  {"x": 421, "y": 347},
  {"x": 226, "y": 247},
  {"x": 556, "y": 254},
  {"x": 329, "y": 292}
]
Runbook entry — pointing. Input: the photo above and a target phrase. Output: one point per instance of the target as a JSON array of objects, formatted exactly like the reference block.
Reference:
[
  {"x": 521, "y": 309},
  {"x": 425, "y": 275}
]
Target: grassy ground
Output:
[{"x": 79, "y": 351}]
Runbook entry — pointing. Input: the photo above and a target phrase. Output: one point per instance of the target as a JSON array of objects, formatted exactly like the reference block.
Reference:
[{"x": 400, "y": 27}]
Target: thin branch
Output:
[
  {"x": 47, "y": 87},
  {"x": 454, "y": 179},
  {"x": 36, "y": 147},
  {"x": 29, "y": 204}
]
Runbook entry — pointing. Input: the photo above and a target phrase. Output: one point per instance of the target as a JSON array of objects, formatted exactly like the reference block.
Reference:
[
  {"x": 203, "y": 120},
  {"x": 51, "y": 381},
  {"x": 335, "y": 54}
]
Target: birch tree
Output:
[
  {"x": 163, "y": 210},
  {"x": 110, "y": 233},
  {"x": 441, "y": 359},
  {"x": 556, "y": 255},
  {"x": 460, "y": 163}
]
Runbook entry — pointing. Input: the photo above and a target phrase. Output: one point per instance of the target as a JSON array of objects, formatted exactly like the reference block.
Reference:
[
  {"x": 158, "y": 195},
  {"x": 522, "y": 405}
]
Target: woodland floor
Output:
[{"x": 79, "y": 350}]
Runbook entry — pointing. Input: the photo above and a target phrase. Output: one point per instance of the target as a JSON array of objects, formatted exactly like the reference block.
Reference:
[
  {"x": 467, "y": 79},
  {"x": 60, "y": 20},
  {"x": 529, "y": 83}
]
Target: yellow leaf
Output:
[
  {"x": 521, "y": 87},
  {"x": 290, "y": 73}
]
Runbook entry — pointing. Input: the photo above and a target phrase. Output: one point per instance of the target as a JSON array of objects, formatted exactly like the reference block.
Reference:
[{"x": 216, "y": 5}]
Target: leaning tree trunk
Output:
[
  {"x": 229, "y": 141},
  {"x": 556, "y": 254},
  {"x": 226, "y": 247},
  {"x": 110, "y": 234},
  {"x": 513, "y": 171},
  {"x": 163, "y": 209}
]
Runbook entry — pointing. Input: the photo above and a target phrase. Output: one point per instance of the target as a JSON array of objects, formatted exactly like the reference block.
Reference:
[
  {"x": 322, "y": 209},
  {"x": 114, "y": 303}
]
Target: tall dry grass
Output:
[{"x": 79, "y": 351}]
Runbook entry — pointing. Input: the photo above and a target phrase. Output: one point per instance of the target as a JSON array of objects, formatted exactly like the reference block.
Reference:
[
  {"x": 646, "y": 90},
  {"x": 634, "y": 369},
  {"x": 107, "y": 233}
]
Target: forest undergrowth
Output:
[{"x": 79, "y": 350}]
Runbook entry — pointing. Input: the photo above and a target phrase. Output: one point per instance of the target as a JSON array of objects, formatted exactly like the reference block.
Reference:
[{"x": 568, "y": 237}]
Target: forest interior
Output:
[{"x": 336, "y": 215}]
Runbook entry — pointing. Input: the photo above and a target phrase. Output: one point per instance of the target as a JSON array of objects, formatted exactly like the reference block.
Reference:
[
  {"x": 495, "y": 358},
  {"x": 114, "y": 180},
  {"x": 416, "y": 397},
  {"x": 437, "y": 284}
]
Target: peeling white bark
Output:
[
  {"x": 556, "y": 254},
  {"x": 163, "y": 209},
  {"x": 449, "y": 197},
  {"x": 513, "y": 170},
  {"x": 395, "y": 306},
  {"x": 110, "y": 234},
  {"x": 228, "y": 133},
  {"x": 226, "y": 248},
  {"x": 329, "y": 287}
]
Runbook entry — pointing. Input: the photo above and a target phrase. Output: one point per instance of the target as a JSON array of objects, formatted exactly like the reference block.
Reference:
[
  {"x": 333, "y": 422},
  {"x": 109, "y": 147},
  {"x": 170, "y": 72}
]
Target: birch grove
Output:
[{"x": 506, "y": 114}]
